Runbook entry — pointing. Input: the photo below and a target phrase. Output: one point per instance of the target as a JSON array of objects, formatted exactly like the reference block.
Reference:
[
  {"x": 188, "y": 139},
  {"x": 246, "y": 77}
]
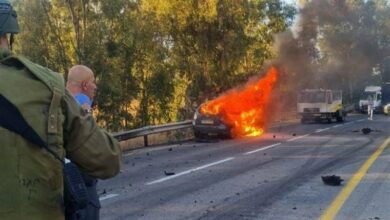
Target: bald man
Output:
[{"x": 81, "y": 84}]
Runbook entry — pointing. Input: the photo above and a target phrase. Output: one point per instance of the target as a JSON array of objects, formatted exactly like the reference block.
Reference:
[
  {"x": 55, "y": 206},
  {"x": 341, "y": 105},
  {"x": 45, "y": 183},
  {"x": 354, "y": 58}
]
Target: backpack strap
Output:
[
  {"x": 52, "y": 122},
  {"x": 12, "y": 119}
]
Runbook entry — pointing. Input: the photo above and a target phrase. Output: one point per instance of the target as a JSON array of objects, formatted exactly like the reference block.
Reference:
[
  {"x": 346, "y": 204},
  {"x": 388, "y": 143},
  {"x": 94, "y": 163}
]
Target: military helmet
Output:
[{"x": 8, "y": 21}]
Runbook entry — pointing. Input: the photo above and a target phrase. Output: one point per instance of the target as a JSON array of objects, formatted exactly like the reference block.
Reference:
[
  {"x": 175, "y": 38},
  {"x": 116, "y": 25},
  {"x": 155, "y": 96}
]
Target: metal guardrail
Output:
[{"x": 147, "y": 130}]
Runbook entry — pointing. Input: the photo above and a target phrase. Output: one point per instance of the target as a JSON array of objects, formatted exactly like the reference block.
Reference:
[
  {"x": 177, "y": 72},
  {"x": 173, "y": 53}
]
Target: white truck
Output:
[
  {"x": 375, "y": 94},
  {"x": 320, "y": 104},
  {"x": 386, "y": 98}
]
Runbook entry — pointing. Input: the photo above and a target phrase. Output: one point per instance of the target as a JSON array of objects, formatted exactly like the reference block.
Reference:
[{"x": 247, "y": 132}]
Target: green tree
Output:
[{"x": 155, "y": 61}]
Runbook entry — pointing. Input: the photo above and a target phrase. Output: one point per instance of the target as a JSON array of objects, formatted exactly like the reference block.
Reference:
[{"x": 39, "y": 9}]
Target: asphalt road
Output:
[{"x": 275, "y": 176}]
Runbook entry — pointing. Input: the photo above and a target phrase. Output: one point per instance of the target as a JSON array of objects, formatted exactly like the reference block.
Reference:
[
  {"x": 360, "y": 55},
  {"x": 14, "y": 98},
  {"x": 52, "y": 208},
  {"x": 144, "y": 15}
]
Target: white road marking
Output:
[
  {"x": 230, "y": 158},
  {"x": 261, "y": 149},
  {"x": 190, "y": 171},
  {"x": 321, "y": 130},
  {"x": 296, "y": 138},
  {"x": 108, "y": 196}
]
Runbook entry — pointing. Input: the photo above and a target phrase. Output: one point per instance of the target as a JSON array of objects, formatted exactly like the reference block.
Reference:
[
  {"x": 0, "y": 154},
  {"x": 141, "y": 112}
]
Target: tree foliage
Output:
[{"x": 155, "y": 61}]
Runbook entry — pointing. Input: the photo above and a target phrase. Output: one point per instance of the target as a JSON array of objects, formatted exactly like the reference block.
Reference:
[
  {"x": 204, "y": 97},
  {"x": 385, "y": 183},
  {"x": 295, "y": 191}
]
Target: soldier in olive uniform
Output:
[{"x": 31, "y": 185}]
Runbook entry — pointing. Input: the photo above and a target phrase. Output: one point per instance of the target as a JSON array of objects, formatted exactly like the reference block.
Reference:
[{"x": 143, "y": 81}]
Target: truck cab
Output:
[
  {"x": 320, "y": 104},
  {"x": 375, "y": 94}
]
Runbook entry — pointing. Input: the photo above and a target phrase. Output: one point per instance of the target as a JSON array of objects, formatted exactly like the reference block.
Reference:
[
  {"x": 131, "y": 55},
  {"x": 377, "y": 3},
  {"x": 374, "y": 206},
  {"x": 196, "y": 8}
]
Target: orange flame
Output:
[{"x": 244, "y": 109}]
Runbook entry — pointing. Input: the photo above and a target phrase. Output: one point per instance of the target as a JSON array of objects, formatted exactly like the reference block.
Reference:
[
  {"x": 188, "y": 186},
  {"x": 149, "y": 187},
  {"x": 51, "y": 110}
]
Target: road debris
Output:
[
  {"x": 332, "y": 180},
  {"x": 366, "y": 130},
  {"x": 168, "y": 173}
]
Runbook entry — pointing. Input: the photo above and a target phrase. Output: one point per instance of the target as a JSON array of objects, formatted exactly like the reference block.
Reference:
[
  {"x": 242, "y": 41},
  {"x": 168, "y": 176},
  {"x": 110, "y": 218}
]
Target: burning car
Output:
[
  {"x": 239, "y": 112},
  {"x": 205, "y": 124}
]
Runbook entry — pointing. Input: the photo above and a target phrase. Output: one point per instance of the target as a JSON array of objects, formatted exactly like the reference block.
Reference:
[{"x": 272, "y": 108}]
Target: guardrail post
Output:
[{"x": 146, "y": 140}]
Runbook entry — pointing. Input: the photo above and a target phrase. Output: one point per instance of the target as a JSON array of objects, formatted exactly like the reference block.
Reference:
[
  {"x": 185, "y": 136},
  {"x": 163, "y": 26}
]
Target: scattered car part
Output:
[{"x": 332, "y": 180}]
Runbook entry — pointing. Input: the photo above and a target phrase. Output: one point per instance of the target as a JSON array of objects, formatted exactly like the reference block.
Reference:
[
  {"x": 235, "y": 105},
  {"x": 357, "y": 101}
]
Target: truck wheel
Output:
[{"x": 340, "y": 116}]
